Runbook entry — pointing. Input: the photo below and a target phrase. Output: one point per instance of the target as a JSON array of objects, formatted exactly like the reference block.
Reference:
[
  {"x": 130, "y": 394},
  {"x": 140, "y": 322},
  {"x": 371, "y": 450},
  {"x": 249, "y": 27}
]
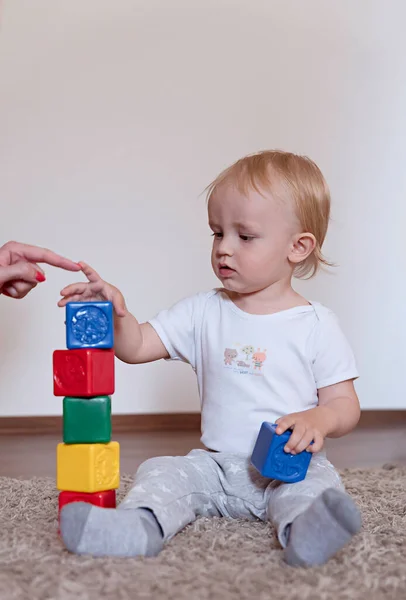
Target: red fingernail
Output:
[{"x": 40, "y": 277}]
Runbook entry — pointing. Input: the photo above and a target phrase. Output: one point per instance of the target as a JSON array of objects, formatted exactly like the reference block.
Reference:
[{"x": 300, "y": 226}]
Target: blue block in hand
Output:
[
  {"x": 89, "y": 325},
  {"x": 270, "y": 459}
]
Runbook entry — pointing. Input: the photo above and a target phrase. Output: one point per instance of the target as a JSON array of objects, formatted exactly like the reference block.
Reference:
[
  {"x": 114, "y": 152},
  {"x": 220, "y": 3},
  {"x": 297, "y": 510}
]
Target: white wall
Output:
[{"x": 115, "y": 115}]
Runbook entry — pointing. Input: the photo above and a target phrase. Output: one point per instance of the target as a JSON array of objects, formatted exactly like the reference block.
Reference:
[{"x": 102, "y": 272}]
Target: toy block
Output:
[
  {"x": 88, "y": 467},
  {"x": 105, "y": 499},
  {"x": 271, "y": 460},
  {"x": 87, "y": 420},
  {"x": 89, "y": 325},
  {"x": 83, "y": 373}
]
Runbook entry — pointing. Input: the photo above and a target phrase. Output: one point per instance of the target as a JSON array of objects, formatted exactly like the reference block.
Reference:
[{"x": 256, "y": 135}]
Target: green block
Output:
[{"x": 87, "y": 420}]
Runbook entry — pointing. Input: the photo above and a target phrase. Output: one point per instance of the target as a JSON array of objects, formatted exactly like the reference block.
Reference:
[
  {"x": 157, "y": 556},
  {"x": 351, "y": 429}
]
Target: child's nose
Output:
[{"x": 225, "y": 247}]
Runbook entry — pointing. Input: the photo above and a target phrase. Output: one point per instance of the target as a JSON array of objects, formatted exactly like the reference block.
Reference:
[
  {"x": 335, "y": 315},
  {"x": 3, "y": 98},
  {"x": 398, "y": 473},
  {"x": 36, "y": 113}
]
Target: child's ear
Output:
[{"x": 302, "y": 246}]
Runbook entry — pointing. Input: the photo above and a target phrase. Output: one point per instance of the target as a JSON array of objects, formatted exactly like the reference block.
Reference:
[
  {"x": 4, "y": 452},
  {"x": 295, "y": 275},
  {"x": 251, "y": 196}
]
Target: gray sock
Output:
[
  {"x": 88, "y": 529},
  {"x": 323, "y": 529}
]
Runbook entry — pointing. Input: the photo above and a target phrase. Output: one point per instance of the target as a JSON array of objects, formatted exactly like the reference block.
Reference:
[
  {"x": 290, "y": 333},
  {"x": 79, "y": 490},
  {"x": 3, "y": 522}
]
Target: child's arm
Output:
[
  {"x": 136, "y": 343},
  {"x": 337, "y": 414},
  {"x": 133, "y": 343}
]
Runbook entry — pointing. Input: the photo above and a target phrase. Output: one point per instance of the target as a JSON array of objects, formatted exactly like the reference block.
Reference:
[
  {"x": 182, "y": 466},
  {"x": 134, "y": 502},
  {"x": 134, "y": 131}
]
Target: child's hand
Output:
[
  {"x": 308, "y": 426},
  {"x": 94, "y": 291}
]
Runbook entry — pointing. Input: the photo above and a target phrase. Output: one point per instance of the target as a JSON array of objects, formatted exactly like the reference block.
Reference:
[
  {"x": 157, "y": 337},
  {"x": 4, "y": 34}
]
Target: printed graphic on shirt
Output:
[{"x": 245, "y": 360}]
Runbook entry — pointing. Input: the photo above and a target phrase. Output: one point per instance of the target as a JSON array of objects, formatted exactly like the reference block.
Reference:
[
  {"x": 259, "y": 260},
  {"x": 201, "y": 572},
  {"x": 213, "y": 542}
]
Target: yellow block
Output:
[{"x": 88, "y": 467}]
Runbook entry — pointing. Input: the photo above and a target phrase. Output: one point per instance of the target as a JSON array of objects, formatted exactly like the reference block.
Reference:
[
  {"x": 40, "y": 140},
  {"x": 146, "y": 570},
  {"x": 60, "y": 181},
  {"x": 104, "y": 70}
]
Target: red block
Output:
[
  {"x": 105, "y": 499},
  {"x": 84, "y": 373}
]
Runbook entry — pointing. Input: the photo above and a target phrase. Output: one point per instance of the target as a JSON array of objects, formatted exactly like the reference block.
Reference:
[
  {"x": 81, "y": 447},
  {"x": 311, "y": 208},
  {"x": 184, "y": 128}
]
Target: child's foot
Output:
[
  {"x": 88, "y": 529},
  {"x": 324, "y": 528}
]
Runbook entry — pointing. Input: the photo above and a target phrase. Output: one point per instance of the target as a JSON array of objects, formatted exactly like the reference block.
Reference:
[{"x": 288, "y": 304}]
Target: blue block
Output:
[
  {"x": 89, "y": 325},
  {"x": 270, "y": 459}
]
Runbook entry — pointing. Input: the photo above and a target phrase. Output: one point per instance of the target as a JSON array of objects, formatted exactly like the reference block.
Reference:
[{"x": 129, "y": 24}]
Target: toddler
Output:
[{"x": 261, "y": 352}]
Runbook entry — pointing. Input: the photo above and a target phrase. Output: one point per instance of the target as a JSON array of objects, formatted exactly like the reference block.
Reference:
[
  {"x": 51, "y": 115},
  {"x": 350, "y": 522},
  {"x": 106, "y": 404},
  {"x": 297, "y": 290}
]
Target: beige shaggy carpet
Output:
[{"x": 212, "y": 559}]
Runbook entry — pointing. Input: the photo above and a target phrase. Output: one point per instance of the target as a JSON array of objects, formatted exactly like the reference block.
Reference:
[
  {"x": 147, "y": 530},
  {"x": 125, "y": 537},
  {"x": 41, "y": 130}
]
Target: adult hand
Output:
[{"x": 19, "y": 271}]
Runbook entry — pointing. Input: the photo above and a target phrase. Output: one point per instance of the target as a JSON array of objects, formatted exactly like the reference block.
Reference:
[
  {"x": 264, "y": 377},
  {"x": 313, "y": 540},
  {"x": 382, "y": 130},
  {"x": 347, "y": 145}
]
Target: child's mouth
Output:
[{"x": 226, "y": 271}]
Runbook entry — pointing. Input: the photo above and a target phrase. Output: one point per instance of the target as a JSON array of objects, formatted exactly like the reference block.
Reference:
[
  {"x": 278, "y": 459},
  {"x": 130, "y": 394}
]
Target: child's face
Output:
[{"x": 253, "y": 238}]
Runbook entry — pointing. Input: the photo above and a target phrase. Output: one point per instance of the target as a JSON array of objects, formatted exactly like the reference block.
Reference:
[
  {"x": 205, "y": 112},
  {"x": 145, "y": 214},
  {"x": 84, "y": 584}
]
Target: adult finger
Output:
[
  {"x": 37, "y": 254},
  {"x": 20, "y": 271},
  {"x": 9, "y": 291},
  {"x": 19, "y": 289}
]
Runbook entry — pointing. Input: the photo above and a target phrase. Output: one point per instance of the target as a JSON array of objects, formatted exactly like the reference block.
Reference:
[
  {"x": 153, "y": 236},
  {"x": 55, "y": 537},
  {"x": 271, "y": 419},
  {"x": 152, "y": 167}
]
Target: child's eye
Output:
[
  {"x": 217, "y": 235},
  {"x": 246, "y": 238}
]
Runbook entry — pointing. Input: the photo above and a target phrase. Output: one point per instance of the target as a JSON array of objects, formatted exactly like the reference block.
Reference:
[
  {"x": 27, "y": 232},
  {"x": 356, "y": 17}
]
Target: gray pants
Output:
[{"x": 178, "y": 489}]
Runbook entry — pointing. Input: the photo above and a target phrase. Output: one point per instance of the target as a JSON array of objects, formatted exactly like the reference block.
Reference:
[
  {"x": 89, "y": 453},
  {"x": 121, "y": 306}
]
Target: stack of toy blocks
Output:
[{"x": 88, "y": 462}]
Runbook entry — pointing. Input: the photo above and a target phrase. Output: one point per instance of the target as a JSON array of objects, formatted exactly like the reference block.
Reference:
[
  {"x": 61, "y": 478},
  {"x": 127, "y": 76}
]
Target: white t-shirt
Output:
[{"x": 253, "y": 368}]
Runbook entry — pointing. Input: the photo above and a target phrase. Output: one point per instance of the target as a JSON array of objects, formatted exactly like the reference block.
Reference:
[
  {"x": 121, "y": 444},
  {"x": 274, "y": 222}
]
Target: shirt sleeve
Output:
[
  {"x": 333, "y": 359},
  {"x": 176, "y": 326}
]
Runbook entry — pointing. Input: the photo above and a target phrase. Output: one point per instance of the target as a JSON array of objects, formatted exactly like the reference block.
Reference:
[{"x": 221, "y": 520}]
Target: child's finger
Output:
[
  {"x": 74, "y": 288},
  {"x": 90, "y": 273},
  {"x": 317, "y": 445},
  {"x": 284, "y": 423},
  {"x": 296, "y": 436},
  {"x": 305, "y": 441},
  {"x": 75, "y": 298},
  {"x": 119, "y": 305}
]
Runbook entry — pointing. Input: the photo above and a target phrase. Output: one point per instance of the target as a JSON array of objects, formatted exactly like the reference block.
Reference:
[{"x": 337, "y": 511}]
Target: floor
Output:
[{"x": 34, "y": 455}]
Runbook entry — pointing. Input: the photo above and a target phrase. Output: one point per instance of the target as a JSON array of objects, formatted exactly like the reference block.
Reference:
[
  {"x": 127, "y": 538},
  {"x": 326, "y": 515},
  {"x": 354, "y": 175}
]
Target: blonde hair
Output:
[{"x": 301, "y": 180}]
